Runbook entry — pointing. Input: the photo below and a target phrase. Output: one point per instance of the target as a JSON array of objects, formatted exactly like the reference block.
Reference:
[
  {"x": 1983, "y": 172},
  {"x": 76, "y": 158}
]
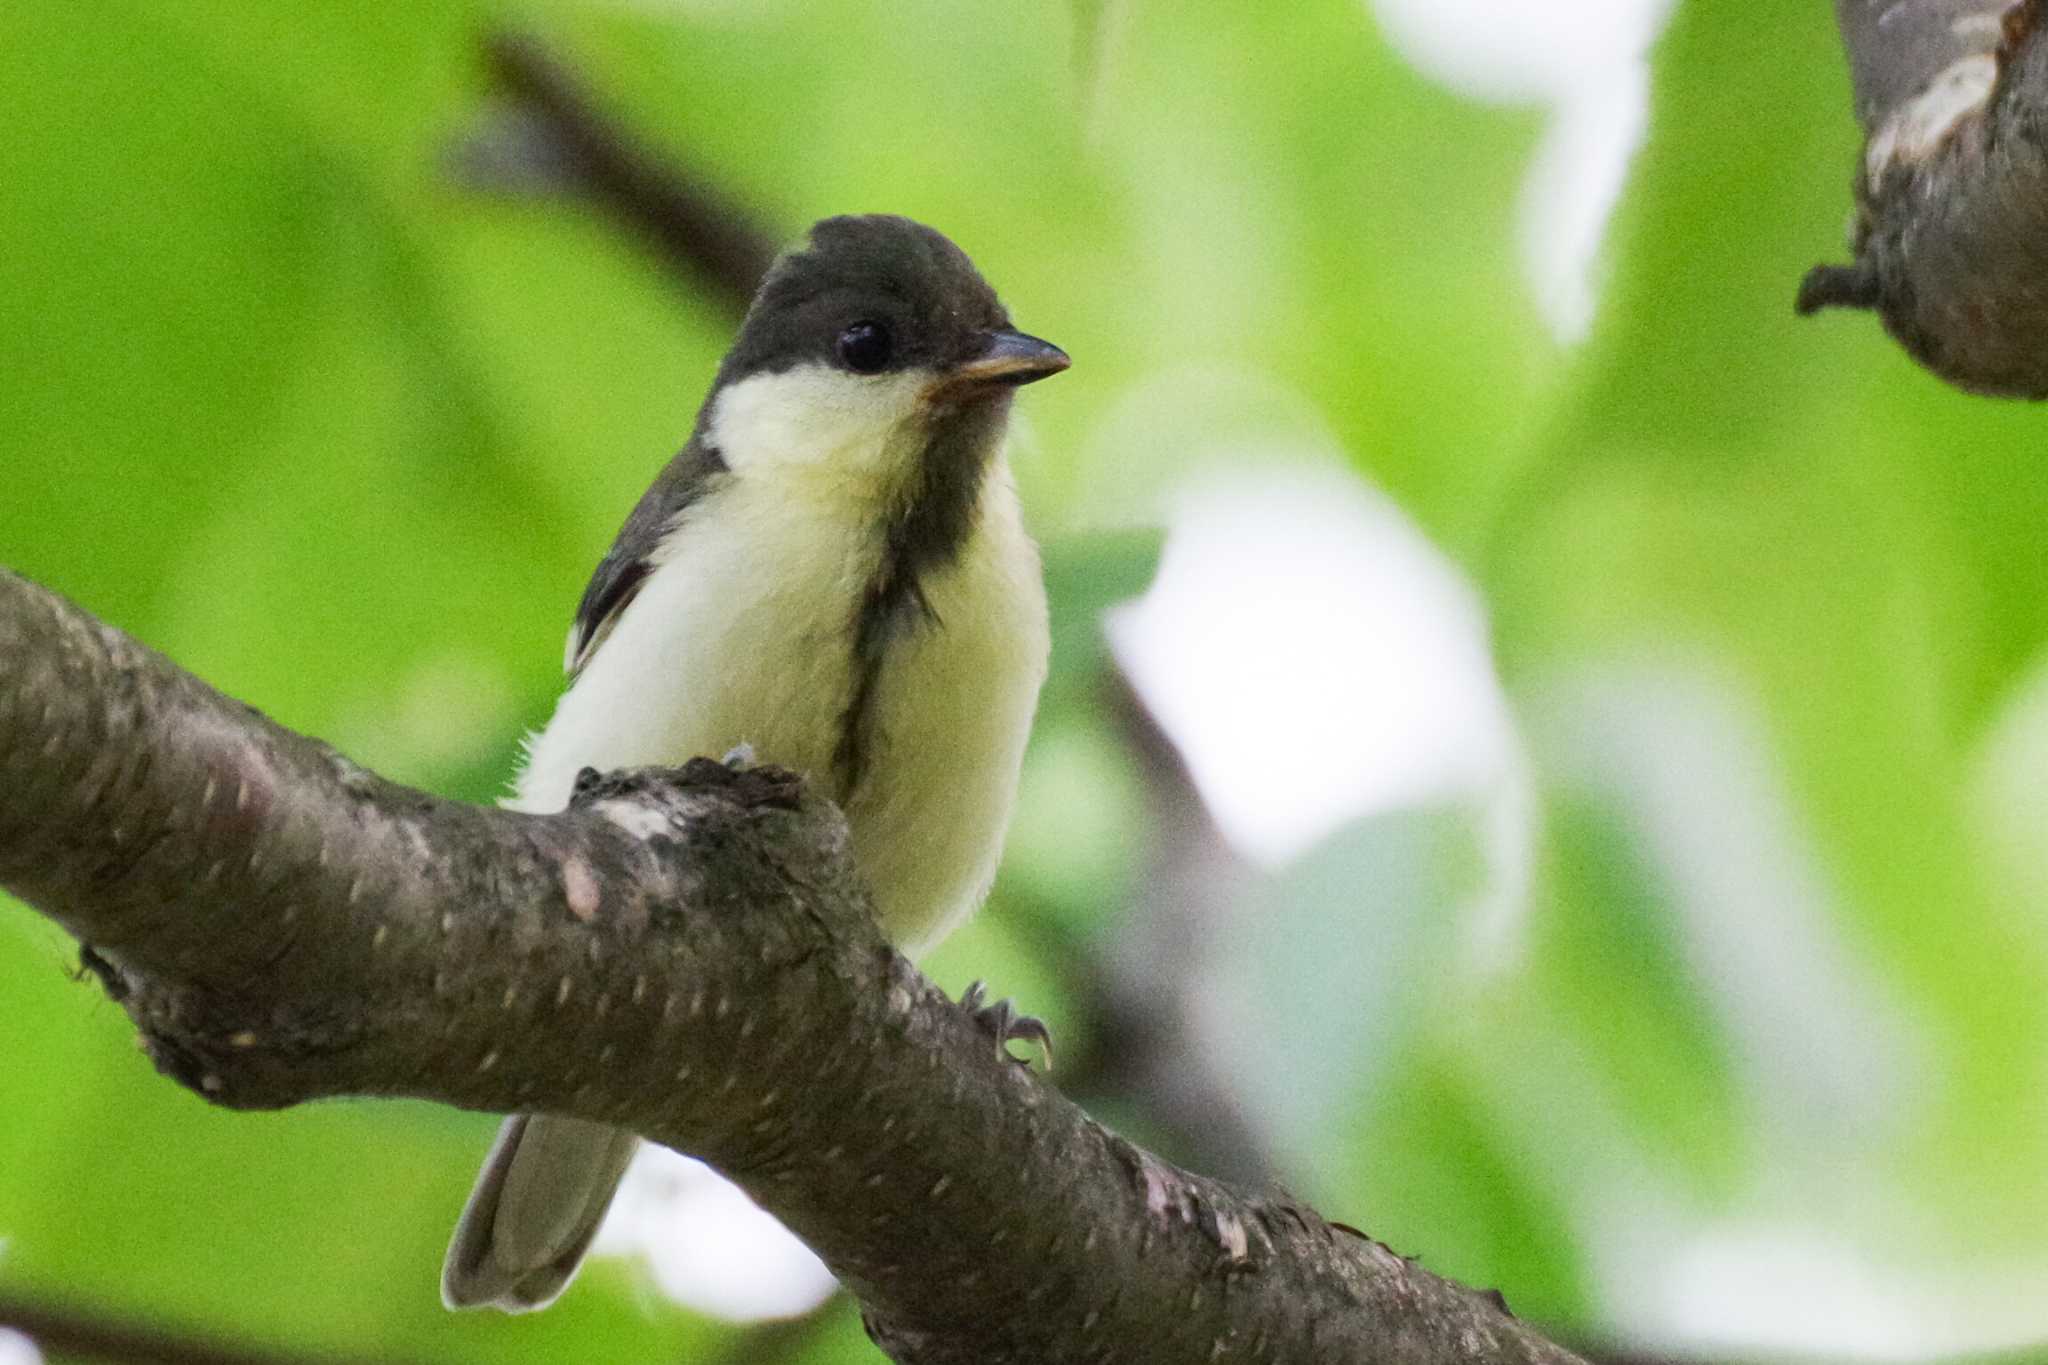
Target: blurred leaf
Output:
[
  {"x": 1435, "y": 1177},
  {"x": 1086, "y": 575},
  {"x": 1609, "y": 963},
  {"x": 1293, "y": 183},
  {"x": 1079, "y": 824},
  {"x": 1320, "y": 977},
  {"x": 403, "y": 664},
  {"x": 1730, "y": 482},
  {"x": 156, "y": 255}
]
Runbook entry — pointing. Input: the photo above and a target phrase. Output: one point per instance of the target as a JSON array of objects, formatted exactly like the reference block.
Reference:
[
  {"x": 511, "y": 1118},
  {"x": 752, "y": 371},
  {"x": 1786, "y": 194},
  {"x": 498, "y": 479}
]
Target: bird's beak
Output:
[{"x": 1012, "y": 359}]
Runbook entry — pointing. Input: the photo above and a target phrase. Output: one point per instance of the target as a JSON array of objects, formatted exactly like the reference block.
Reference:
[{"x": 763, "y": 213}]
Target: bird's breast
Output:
[{"x": 745, "y": 633}]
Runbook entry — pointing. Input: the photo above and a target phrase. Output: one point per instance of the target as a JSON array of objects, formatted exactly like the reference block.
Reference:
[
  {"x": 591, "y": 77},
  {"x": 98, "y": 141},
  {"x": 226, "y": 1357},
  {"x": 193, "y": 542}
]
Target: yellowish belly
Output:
[{"x": 726, "y": 645}]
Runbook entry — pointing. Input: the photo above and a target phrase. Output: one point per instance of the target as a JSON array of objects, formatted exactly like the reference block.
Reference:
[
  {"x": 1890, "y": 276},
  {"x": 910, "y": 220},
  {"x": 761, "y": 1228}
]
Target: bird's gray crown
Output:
[{"x": 929, "y": 304}]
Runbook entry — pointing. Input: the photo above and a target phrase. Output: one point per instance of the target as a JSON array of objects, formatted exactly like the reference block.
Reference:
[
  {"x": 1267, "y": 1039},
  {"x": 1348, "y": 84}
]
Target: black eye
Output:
[{"x": 864, "y": 347}]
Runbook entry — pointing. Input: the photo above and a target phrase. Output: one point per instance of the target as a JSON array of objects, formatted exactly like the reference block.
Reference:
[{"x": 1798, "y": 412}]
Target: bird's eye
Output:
[{"x": 864, "y": 347}]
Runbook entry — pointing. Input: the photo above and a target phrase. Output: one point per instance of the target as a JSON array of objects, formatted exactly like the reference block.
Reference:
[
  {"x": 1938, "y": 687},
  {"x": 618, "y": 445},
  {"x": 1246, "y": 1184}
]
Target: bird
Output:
[{"x": 832, "y": 576}]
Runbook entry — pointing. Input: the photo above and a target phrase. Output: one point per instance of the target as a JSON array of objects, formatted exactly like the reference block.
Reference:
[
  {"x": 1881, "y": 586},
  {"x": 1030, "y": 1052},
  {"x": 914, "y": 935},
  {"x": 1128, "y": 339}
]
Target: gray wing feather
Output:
[{"x": 625, "y": 567}]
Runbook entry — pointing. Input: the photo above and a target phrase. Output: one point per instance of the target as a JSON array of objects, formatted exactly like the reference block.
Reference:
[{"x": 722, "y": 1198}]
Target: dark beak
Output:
[{"x": 1013, "y": 359}]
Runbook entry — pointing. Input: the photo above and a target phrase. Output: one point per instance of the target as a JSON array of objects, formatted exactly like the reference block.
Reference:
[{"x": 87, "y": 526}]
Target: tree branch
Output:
[
  {"x": 685, "y": 953},
  {"x": 1951, "y": 230}
]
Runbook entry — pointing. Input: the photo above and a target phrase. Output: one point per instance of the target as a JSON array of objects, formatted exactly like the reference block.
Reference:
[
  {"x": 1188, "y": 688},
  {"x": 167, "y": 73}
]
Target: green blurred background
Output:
[{"x": 1689, "y": 986}]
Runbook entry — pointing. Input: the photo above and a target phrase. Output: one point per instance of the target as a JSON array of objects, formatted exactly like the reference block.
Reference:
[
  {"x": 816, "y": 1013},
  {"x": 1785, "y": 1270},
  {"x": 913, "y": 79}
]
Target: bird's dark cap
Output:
[{"x": 911, "y": 282}]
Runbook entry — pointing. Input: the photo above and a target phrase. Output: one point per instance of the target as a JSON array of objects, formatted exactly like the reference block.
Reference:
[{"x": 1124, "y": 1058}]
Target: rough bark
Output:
[
  {"x": 1951, "y": 229},
  {"x": 683, "y": 952}
]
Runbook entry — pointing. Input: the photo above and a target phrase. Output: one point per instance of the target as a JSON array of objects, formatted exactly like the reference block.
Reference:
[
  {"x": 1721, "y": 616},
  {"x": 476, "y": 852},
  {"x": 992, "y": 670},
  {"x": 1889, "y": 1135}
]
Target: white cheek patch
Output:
[{"x": 814, "y": 414}]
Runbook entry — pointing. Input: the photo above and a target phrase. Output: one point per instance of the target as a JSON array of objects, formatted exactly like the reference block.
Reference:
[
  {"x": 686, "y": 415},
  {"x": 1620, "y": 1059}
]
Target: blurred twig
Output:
[
  {"x": 555, "y": 134},
  {"x": 1143, "y": 982},
  {"x": 75, "y": 1332}
]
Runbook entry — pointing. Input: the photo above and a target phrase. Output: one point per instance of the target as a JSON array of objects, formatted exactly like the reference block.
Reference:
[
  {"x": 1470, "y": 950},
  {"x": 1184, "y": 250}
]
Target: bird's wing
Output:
[{"x": 631, "y": 559}]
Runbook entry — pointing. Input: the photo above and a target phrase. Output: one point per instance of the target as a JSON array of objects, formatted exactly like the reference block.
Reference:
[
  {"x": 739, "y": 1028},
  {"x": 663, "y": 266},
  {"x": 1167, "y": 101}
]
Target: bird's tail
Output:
[{"x": 543, "y": 1191}]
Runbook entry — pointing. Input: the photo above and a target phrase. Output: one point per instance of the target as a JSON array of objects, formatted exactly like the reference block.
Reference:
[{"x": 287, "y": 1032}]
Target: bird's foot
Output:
[{"x": 1001, "y": 1021}]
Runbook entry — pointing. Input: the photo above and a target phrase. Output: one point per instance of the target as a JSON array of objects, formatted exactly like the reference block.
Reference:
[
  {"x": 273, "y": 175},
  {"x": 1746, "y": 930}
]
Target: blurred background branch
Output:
[
  {"x": 555, "y": 136},
  {"x": 90, "y": 1334}
]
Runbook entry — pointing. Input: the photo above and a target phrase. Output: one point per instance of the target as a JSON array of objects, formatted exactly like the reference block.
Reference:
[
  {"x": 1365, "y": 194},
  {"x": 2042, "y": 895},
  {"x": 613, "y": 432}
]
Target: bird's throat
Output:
[{"x": 928, "y": 530}]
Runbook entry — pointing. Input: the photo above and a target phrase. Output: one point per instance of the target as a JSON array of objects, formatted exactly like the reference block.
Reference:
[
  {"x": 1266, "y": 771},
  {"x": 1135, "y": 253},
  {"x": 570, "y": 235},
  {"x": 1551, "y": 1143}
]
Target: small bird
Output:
[{"x": 834, "y": 574}]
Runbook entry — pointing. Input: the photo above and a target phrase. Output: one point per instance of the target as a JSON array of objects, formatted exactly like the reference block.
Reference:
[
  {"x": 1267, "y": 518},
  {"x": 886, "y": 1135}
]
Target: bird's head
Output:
[{"x": 877, "y": 340}]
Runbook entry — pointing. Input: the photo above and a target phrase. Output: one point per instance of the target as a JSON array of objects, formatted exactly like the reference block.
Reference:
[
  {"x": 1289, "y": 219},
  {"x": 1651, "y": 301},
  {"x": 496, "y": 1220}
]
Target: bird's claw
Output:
[{"x": 1001, "y": 1020}]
